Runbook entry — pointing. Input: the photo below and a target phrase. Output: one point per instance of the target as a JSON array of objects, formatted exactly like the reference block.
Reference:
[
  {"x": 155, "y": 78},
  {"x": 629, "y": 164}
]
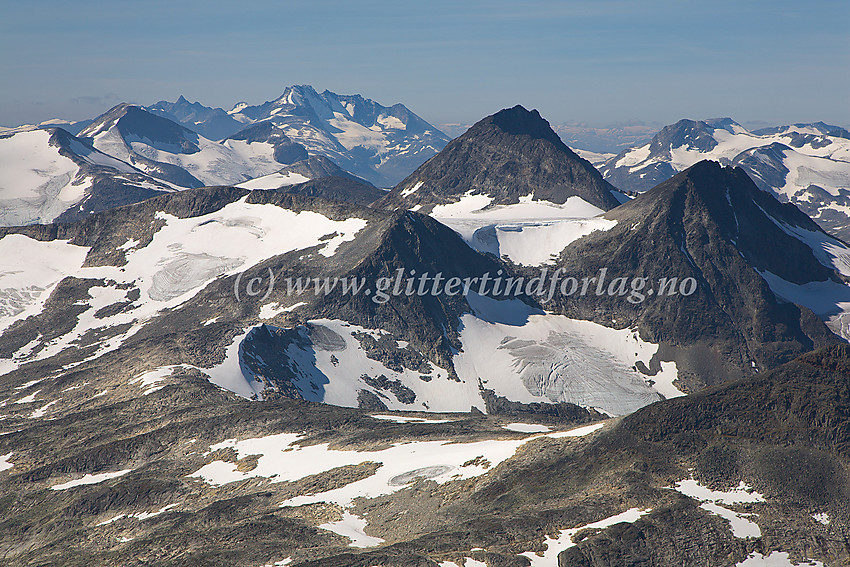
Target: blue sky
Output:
[{"x": 597, "y": 62}]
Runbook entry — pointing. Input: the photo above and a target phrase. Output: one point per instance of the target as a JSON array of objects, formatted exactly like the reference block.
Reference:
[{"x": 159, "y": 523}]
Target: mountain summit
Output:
[
  {"x": 762, "y": 270},
  {"x": 507, "y": 156},
  {"x": 804, "y": 164},
  {"x": 378, "y": 143}
]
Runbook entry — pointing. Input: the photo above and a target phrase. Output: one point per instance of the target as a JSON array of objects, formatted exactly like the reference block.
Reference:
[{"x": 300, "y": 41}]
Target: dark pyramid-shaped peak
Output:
[
  {"x": 519, "y": 121},
  {"x": 508, "y": 155},
  {"x": 751, "y": 220},
  {"x": 710, "y": 223}
]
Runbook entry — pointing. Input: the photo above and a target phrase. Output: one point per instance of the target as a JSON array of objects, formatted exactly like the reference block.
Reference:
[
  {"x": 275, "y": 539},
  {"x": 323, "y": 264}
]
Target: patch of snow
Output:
[
  {"x": 90, "y": 479},
  {"x": 147, "y": 515},
  {"x": 410, "y": 419},
  {"x": 594, "y": 158},
  {"x": 741, "y": 527},
  {"x": 577, "y": 432},
  {"x": 281, "y": 563},
  {"x": 413, "y": 189},
  {"x": 42, "y": 411},
  {"x": 230, "y": 375},
  {"x": 828, "y": 300},
  {"x": 28, "y": 399},
  {"x": 5, "y": 463},
  {"x": 467, "y": 204},
  {"x": 353, "y": 134},
  {"x": 352, "y": 527},
  {"x": 633, "y": 157},
  {"x": 271, "y": 310},
  {"x": 150, "y": 381},
  {"x": 391, "y": 123},
  {"x": 30, "y": 384},
  {"x": 282, "y": 460},
  {"x": 273, "y": 181},
  {"x": 333, "y": 374},
  {"x": 821, "y": 517},
  {"x": 129, "y": 245},
  {"x": 742, "y": 494},
  {"x": 555, "y": 546},
  {"x": 774, "y": 559},
  {"x": 526, "y": 428},
  {"x": 527, "y": 233}
]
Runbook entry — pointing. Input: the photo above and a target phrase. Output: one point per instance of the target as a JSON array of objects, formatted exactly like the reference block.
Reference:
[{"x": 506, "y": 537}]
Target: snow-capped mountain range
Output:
[
  {"x": 804, "y": 164},
  {"x": 378, "y": 143},
  {"x": 132, "y": 152}
]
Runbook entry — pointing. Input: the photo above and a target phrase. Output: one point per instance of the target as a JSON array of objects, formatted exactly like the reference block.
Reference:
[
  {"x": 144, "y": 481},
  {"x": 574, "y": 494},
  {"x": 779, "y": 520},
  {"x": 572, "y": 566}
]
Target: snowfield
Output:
[
  {"x": 282, "y": 459},
  {"x": 529, "y": 233},
  {"x": 38, "y": 183},
  {"x": 30, "y": 270},
  {"x": 517, "y": 352},
  {"x": 529, "y": 356},
  {"x": 5, "y": 463},
  {"x": 184, "y": 256},
  {"x": 273, "y": 181},
  {"x": 213, "y": 164},
  {"x": 774, "y": 559}
]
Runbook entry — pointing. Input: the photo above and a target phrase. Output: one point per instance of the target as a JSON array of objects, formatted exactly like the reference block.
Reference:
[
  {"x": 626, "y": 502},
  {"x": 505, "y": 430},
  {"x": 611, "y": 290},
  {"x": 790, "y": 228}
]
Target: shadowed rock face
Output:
[
  {"x": 511, "y": 154},
  {"x": 342, "y": 189},
  {"x": 135, "y": 123},
  {"x": 714, "y": 225}
]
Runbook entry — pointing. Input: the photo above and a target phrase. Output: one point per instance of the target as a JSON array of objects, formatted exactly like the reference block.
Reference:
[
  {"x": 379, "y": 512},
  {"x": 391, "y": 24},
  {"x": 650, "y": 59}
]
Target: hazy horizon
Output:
[{"x": 594, "y": 63}]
